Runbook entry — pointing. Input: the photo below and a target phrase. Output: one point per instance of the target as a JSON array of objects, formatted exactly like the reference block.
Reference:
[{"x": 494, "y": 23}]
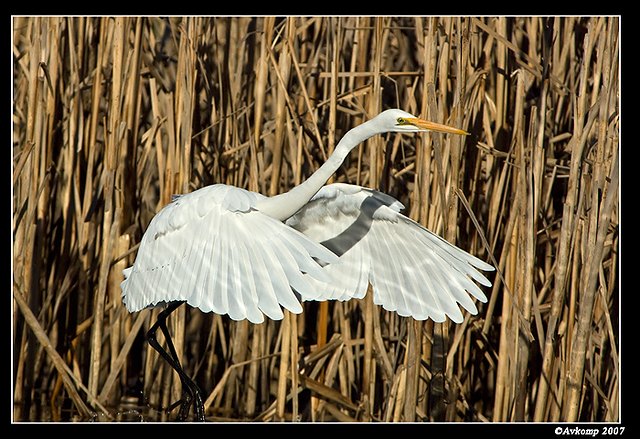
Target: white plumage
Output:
[
  {"x": 412, "y": 270},
  {"x": 212, "y": 249},
  {"x": 236, "y": 252}
]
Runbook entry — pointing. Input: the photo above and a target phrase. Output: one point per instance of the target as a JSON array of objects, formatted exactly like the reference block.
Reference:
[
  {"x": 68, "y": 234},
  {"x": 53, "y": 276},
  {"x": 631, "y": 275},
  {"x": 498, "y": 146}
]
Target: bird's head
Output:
[{"x": 399, "y": 121}]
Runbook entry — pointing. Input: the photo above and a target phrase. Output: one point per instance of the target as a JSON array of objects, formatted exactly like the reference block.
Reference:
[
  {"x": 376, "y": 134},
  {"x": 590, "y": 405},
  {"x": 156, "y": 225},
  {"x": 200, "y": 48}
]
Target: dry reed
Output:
[{"x": 111, "y": 116}]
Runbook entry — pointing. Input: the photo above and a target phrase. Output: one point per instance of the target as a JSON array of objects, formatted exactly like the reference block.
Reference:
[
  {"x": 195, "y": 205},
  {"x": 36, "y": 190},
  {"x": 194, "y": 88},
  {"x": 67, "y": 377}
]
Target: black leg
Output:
[{"x": 190, "y": 392}]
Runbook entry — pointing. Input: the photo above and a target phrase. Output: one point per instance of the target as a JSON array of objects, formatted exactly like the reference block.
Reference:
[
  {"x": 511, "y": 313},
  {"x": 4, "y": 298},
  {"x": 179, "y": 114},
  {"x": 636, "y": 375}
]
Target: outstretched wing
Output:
[
  {"x": 212, "y": 249},
  {"x": 411, "y": 270}
]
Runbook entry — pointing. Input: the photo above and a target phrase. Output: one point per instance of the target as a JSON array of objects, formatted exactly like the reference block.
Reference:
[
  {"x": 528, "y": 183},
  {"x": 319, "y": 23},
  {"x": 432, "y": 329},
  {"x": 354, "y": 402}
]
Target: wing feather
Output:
[
  {"x": 212, "y": 249},
  {"x": 349, "y": 279},
  {"x": 267, "y": 299},
  {"x": 412, "y": 270}
]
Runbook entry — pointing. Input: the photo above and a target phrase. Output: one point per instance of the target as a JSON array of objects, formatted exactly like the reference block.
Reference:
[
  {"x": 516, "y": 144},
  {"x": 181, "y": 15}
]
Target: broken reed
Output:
[{"x": 114, "y": 115}]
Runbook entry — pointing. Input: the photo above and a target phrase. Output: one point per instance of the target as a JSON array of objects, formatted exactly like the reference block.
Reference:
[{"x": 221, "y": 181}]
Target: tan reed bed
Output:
[{"x": 111, "y": 116}]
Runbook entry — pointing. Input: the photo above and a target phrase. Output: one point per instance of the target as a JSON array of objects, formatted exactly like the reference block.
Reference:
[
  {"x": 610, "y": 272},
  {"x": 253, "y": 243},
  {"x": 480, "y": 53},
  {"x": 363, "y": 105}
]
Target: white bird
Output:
[{"x": 236, "y": 252}]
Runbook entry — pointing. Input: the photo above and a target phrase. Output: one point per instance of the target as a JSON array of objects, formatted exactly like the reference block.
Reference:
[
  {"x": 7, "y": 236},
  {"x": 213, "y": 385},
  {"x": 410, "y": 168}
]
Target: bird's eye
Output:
[{"x": 401, "y": 121}]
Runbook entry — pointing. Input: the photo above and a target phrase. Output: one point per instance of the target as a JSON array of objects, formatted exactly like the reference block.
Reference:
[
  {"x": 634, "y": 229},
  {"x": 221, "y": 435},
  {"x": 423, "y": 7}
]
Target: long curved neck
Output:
[{"x": 285, "y": 205}]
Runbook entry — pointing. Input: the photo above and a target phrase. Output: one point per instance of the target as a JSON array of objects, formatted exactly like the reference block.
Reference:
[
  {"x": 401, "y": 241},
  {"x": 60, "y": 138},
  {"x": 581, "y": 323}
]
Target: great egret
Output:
[{"x": 236, "y": 252}]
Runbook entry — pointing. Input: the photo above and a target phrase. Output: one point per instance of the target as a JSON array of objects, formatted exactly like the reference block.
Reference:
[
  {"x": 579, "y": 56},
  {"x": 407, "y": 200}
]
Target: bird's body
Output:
[{"x": 236, "y": 252}]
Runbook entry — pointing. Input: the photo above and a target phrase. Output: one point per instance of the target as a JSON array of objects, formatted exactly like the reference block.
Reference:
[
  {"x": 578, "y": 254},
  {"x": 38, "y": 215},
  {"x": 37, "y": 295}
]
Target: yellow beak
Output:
[{"x": 425, "y": 125}]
